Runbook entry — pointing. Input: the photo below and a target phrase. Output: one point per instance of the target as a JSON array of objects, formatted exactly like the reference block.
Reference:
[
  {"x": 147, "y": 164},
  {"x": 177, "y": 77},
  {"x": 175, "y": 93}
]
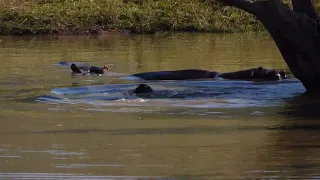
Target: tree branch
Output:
[
  {"x": 304, "y": 6},
  {"x": 250, "y": 7}
]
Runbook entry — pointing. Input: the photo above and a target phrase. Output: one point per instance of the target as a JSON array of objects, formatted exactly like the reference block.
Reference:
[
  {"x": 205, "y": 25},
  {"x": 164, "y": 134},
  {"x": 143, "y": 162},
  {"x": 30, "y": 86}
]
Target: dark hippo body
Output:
[
  {"x": 177, "y": 75},
  {"x": 142, "y": 90},
  {"x": 250, "y": 74},
  {"x": 88, "y": 69},
  {"x": 84, "y": 68},
  {"x": 68, "y": 64}
]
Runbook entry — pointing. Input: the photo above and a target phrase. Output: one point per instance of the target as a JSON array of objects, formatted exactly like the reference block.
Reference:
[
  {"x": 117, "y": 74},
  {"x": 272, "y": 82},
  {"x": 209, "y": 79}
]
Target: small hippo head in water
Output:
[
  {"x": 99, "y": 70},
  {"x": 283, "y": 74},
  {"x": 142, "y": 89},
  {"x": 267, "y": 74}
]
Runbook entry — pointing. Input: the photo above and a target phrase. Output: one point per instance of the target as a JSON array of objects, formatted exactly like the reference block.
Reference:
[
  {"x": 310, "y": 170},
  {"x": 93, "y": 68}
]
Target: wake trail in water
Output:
[{"x": 193, "y": 94}]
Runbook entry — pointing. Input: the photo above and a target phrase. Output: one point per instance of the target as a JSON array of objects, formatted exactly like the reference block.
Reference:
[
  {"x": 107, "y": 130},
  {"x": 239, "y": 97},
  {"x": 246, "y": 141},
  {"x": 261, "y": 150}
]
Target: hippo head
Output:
[
  {"x": 283, "y": 74},
  {"x": 267, "y": 74},
  {"x": 143, "y": 88},
  {"x": 273, "y": 75},
  {"x": 105, "y": 68},
  {"x": 99, "y": 70}
]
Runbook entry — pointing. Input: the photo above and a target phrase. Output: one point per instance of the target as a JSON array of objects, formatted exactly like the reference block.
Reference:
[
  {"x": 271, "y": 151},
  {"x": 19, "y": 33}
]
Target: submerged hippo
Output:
[
  {"x": 84, "y": 68},
  {"x": 250, "y": 74},
  {"x": 142, "y": 89}
]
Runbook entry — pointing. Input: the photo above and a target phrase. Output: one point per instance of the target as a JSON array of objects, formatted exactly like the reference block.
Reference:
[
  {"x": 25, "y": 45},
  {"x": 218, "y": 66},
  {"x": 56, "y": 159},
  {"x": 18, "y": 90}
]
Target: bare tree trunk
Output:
[{"x": 295, "y": 32}]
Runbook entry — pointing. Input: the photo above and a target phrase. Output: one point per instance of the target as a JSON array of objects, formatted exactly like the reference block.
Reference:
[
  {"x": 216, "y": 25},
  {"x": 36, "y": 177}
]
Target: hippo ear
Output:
[{"x": 260, "y": 68}]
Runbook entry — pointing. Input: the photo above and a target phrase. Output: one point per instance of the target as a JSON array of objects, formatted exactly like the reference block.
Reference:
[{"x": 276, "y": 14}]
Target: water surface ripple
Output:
[{"x": 210, "y": 95}]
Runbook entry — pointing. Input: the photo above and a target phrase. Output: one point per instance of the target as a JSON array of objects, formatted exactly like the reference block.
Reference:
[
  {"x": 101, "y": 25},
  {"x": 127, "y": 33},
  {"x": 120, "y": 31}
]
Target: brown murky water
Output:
[{"x": 56, "y": 126}]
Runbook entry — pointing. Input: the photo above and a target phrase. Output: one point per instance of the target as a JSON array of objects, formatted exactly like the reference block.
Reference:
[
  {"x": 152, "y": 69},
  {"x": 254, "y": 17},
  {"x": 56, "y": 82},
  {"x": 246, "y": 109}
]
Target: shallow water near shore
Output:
[{"x": 59, "y": 126}]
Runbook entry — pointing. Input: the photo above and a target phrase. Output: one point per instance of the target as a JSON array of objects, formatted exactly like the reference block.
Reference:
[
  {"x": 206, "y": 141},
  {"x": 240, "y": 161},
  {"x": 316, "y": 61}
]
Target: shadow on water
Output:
[
  {"x": 303, "y": 106},
  {"x": 302, "y": 113},
  {"x": 294, "y": 140}
]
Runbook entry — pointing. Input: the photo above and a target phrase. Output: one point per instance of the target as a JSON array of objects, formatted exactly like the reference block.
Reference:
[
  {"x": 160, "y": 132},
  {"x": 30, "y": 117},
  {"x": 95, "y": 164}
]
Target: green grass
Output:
[{"x": 139, "y": 16}]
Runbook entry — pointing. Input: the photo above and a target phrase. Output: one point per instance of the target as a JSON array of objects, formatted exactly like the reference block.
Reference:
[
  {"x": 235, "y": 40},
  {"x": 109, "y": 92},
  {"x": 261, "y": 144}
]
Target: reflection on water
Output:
[
  {"x": 58, "y": 126},
  {"x": 302, "y": 106}
]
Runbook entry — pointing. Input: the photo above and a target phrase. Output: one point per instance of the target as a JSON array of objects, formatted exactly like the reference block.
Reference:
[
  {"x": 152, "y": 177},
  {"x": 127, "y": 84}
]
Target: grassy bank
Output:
[{"x": 139, "y": 16}]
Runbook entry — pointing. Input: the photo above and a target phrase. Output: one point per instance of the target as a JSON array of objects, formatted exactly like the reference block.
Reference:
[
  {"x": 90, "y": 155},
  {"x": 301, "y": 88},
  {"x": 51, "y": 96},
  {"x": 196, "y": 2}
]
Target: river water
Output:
[{"x": 58, "y": 126}]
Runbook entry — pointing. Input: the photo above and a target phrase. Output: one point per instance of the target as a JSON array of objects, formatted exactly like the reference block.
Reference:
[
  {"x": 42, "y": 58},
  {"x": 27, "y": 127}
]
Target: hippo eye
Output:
[{"x": 106, "y": 67}]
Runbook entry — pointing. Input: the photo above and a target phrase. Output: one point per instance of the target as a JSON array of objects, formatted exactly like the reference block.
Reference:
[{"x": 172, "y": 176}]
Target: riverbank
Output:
[{"x": 85, "y": 17}]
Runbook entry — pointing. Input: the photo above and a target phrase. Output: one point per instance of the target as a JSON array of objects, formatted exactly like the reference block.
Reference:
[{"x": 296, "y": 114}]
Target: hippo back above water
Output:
[
  {"x": 177, "y": 75},
  {"x": 249, "y": 74}
]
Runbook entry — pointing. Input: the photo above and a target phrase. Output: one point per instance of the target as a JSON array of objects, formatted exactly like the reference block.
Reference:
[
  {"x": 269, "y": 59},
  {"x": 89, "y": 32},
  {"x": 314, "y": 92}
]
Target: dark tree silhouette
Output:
[{"x": 295, "y": 31}]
